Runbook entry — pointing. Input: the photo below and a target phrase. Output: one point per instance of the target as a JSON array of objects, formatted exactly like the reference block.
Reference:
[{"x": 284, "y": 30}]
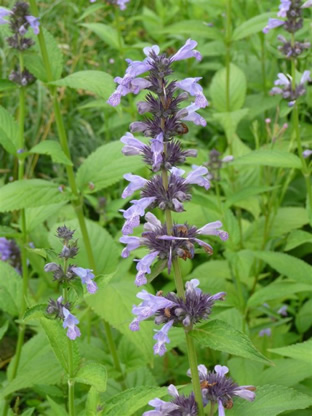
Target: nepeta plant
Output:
[
  {"x": 120, "y": 3},
  {"x": 167, "y": 191}
]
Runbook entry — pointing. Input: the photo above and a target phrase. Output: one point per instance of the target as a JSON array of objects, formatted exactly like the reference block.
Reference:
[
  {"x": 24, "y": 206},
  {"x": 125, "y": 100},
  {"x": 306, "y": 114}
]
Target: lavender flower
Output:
[
  {"x": 10, "y": 252},
  {"x": 307, "y": 153},
  {"x": 70, "y": 322},
  {"x": 86, "y": 277},
  {"x": 4, "y": 13},
  {"x": 285, "y": 88},
  {"x": 33, "y": 23},
  {"x": 272, "y": 24},
  {"x": 307, "y": 4},
  {"x": 283, "y": 310},
  {"x": 191, "y": 86},
  {"x": 133, "y": 214},
  {"x": 218, "y": 389},
  {"x": 179, "y": 406},
  {"x": 187, "y": 51},
  {"x": 265, "y": 332},
  {"x": 120, "y": 3},
  {"x": 291, "y": 11},
  {"x": 173, "y": 310}
]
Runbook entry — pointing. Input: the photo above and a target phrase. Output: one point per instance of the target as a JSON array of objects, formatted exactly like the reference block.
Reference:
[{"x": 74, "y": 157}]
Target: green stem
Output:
[
  {"x": 228, "y": 51},
  {"x": 191, "y": 352},
  {"x": 70, "y": 380},
  {"x": 211, "y": 413},
  {"x": 77, "y": 203}
]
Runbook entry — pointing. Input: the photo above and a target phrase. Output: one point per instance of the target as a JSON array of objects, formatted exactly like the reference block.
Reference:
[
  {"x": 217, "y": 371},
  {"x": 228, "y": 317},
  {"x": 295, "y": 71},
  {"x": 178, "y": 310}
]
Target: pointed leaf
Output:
[{"x": 53, "y": 149}]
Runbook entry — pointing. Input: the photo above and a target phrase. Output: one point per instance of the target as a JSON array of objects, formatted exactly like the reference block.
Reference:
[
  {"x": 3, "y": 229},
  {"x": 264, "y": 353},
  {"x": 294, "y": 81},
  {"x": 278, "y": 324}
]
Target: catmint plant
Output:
[
  {"x": 168, "y": 191},
  {"x": 10, "y": 252},
  {"x": 65, "y": 275},
  {"x": 120, "y": 3}
]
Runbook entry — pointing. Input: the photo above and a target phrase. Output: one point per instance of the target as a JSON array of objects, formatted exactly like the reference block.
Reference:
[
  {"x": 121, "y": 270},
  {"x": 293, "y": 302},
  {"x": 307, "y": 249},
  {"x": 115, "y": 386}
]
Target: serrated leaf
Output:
[
  {"x": 8, "y": 131},
  {"x": 280, "y": 373},
  {"x": 277, "y": 290},
  {"x": 252, "y": 26},
  {"x": 237, "y": 92},
  {"x": 98, "y": 82},
  {"x": 93, "y": 374},
  {"x": 53, "y": 149},
  {"x": 105, "y": 167},
  {"x": 105, "y": 32},
  {"x": 60, "y": 343},
  {"x": 30, "y": 193},
  {"x": 10, "y": 289},
  {"x": 35, "y": 312},
  {"x": 301, "y": 351},
  {"x": 34, "y": 62},
  {"x": 130, "y": 401},
  {"x": 271, "y": 401},
  {"x": 297, "y": 238},
  {"x": 36, "y": 216},
  {"x": 292, "y": 267},
  {"x": 37, "y": 366},
  {"x": 274, "y": 158},
  {"x": 221, "y": 336}
]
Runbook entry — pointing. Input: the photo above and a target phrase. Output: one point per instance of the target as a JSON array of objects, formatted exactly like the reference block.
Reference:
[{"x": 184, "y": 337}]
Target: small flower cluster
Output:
[
  {"x": 120, "y": 3},
  {"x": 64, "y": 275},
  {"x": 285, "y": 88},
  {"x": 173, "y": 310},
  {"x": 20, "y": 20},
  {"x": 216, "y": 389},
  {"x": 10, "y": 253},
  {"x": 215, "y": 163}
]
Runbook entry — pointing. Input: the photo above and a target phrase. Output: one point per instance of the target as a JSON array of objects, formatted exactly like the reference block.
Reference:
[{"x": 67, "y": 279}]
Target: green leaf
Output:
[
  {"x": 34, "y": 62},
  {"x": 275, "y": 158},
  {"x": 287, "y": 265},
  {"x": 297, "y": 238},
  {"x": 53, "y": 149},
  {"x": 10, "y": 289},
  {"x": 192, "y": 27},
  {"x": 230, "y": 121},
  {"x": 237, "y": 89},
  {"x": 252, "y": 26},
  {"x": 130, "y": 401},
  {"x": 59, "y": 343},
  {"x": 90, "y": 10},
  {"x": 304, "y": 317},
  {"x": 3, "y": 329},
  {"x": 246, "y": 193},
  {"x": 38, "y": 365},
  {"x": 271, "y": 401},
  {"x": 105, "y": 251},
  {"x": 221, "y": 336},
  {"x": 36, "y": 216},
  {"x": 8, "y": 131},
  {"x": 57, "y": 409},
  {"x": 277, "y": 290},
  {"x": 105, "y": 167},
  {"x": 6, "y": 85},
  {"x": 35, "y": 312},
  {"x": 97, "y": 82},
  {"x": 279, "y": 373},
  {"x": 93, "y": 374},
  {"x": 301, "y": 351},
  {"x": 107, "y": 33},
  {"x": 30, "y": 193}
]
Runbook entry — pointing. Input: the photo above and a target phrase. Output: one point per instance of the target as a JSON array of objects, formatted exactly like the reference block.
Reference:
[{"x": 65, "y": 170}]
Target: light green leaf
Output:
[
  {"x": 105, "y": 167},
  {"x": 277, "y": 290},
  {"x": 34, "y": 62},
  {"x": 90, "y": 10},
  {"x": 193, "y": 27},
  {"x": 213, "y": 274},
  {"x": 221, "y": 336},
  {"x": 6, "y": 85},
  {"x": 304, "y": 317},
  {"x": 53, "y": 149},
  {"x": 36, "y": 216},
  {"x": 35, "y": 312},
  {"x": 130, "y": 401},
  {"x": 275, "y": 158},
  {"x": 246, "y": 193},
  {"x": 105, "y": 32},
  {"x": 287, "y": 265},
  {"x": 281, "y": 371},
  {"x": 57, "y": 409},
  {"x": 8, "y": 131},
  {"x": 301, "y": 351},
  {"x": 59, "y": 343},
  {"x": 271, "y": 401},
  {"x": 97, "y": 82},
  {"x": 30, "y": 193},
  {"x": 93, "y": 374},
  {"x": 230, "y": 121},
  {"x": 37, "y": 366},
  {"x": 297, "y": 238},
  {"x": 10, "y": 289},
  {"x": 3, "y": 329},
  {"x": 252, "y": 26},
  {"x": 237, "y": 89},
  {"x": 105, "y": 251}
]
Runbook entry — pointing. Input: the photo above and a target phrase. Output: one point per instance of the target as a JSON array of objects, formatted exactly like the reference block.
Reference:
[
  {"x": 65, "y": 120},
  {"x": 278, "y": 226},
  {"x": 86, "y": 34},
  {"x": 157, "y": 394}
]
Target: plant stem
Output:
[
  {"x": 228, "y": 51},
  {"x": 70, "y": 380},
  {"x": 78, "y": 202},
  {"x": 211, "y": 413},
  {"x": 191, "y": 352}
]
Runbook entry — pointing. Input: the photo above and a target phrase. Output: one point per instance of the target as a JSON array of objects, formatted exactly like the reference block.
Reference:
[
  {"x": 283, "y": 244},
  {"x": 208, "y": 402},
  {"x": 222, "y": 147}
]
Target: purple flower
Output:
[
  {"x": 307, "y": 153},
  {"x": 86, "y": 277},
  {"x": 132, "y": 146},
  {"x": 128, "y": 84},
  {"x": 157, "y": 148},
  {"x": 305, "y": 77},
  {"x": 212, "y": 228},
  {"x": 133, "y": 214},
  {"x": 307, "y": 4},
  {"x": 161, "y": 337},
  {"x": 34, "y": 23},
  {"x": 5, "y": 249},
  {"x": 152, "y": 222},
  {"x": 4, "y": 13},
  {"x": 227, "y": 159},
  {"x": 132, "y": 244},
  {"x": 283, "y": 8},
  {"x": 143, "y": 267},
  {"x": 70, "y": 322},
  {"x": 193, "y": 116},
  {"x": 122, "y": 4},
  {"x": 272, "y": 24},
  {"x": 150, "y": 305},
  {"x": 191, "y": 86},
  {"x": 187, "y": 51},
  {"x": 199, "y": 177},
  {"x": 265, "y": 331},
  {"x": 136, "y": 182}
]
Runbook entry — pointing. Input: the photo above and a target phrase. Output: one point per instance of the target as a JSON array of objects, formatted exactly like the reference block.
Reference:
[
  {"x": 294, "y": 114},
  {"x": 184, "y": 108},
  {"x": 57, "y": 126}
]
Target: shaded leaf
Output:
[
  {"x": 275, "y": 158},
  {"x": 10, "y": 289},
  {"x": 53, "y": 149},
  {"x": 301, "y": 351},
  {"x": 93, "y": 374}
]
